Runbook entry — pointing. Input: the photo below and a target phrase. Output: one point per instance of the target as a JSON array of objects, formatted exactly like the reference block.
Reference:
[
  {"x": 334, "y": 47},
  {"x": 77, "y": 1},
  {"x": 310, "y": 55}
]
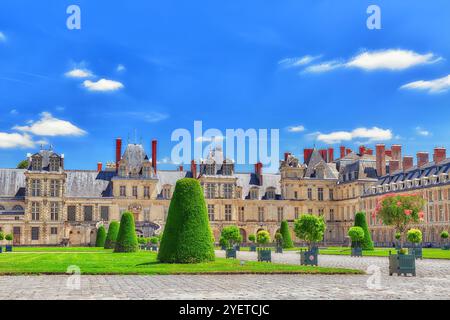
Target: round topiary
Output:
[
  {"x": 126, "y": 239},
  {"x": 263, "y": 237},
  {"x": 357, "y": 235},
  {"x": 231, "y": 235},
  {"x": 444, "y": 235},
  {"x": 187, "y": 235},
  {"x": 398, "y": 235},
  {"x": 252, "y": 238},
  {"x": 360, "y": 221},
  {"x": 9, "y": 237},
  {"x": 111, "y": 237},
  {"x": 2, "y": 236},
  {"x": 414, "y": 236},
  {"x": 154, "y": 240},
  {"x": 101, "y": 237},
  {"x": 285, "y": 233}
]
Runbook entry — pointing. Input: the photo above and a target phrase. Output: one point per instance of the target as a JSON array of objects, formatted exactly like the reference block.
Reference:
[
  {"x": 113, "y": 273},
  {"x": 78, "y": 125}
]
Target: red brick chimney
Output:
[
  {"x": 348, "y": 151},
  {"x": 422, "y": 158},
  {"x": 323, "y": 154},
  {"x": 307, "y": 154},
  {"x": 342, "y": 151},
  {"x": 258, "y": 172},
  {"x": 369, "y": 152},
  {"x": 396, "y": 152},
  {"x": 194, "y": 169},
  {"x": 381, "y": 159},
  {"x": 154, "y": 154},
  {"x": 99, "y": 166},
  {"x": 440, "y": 154},
  {"x": 286, "y": 155},
  {"x": 388, "y": 152},
  {"x": 407, "y": 163},
  {"x": 394, "y": 165},
  {"x": 362, "y": 150},
  {"x": 118, "y": 152},
  {"x": 330, "y": 154},
  {"x": 180, "y": 168}
]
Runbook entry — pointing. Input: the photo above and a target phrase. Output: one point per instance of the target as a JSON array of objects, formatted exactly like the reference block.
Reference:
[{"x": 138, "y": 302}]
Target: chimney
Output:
[
  {"x": 99, "y": 166},
  {"x": 258, "y": 172},
  {"x": 307, "y": 154},
  {"x": 407, "y": 163},
  {"x": 180, "y": 168},
  {"x": 369, "y": 152},
  {"x": 440, "y": 154},
  {"x": 348, "y": 151},
  {"x": 396, "y": 152},
  {"x": 154, "y": 155},
  {"x": 394, "y": 165},
  {"x": 388, "y": 152},
  {"x": 422, "y": 158},
  {"x": 286, "y": 155},
  {"x": 381, "y": 159},
  {"x": 323, "y": 153},
  {"x": 194, "y": 169},
  {"x": 342, "y": 151},
  {"x": 118, "y": 152},
  {"x": 330, "y": 154},
  {"x": 362, "y": 150}
]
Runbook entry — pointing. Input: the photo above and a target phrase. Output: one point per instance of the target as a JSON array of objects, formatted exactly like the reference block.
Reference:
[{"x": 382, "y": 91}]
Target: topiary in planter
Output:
[
  {"x": 287, "y": 240},
  {"x": 252, "y": 239},
  {"x": 126, "y": 238},
  {"x": 111, "y": 237},
  {"x": 360, "y": 221},
  {"x": 101, "y": 237},
  {"x": 187, "y": 235},
  {"x": 415, "y": 236},
  {"x": 444, "y": 237},
  {"x": 231, "y": 236}
]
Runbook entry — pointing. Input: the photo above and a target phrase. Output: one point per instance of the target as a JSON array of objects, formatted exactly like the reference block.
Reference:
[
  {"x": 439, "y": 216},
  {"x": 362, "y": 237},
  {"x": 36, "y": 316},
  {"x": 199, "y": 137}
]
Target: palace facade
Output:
[{"x": 46, "y": 204}]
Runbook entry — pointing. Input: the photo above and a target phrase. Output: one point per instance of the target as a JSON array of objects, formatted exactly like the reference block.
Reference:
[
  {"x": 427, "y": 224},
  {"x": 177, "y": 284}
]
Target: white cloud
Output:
[
  {"x": 102, "y": 85},
  {"x": 298, "y": 128},
  {"x": 297, "y": 62},
  {"x": 79, "y": 73},
  {"x": 389, "y": 59},
  {"x": 121, "y": 68},
  {"x": 432, "y": 86},
  {"x": 2, "y": 37},
  {"x": 14, "y": 112},
  {"x": 371, "y": 134},
  {"x": 51, "y": 127},
  {"x": 422, "y": 132},
  {"x": 15, "y": 140}
]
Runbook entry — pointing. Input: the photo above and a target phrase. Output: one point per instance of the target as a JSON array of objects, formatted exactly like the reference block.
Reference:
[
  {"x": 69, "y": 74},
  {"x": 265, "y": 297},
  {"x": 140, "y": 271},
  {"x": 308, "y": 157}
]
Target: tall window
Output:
[
  {"x": 34, "y": 233},
  {"x": 123, "y": 191},
  {"x": 228, "y": 212},
  {"x": 54, "y": 211},
  {"x": 254, "y": 194},
  {"x": 88, "y": 213},
  {"x": 309, "y": 194},
  {"x": 122, "y": 171},
  {"x": 53, "y": 230},
  {"x": 296, "y": 213},
  {"x": 104, "y": 213},
  {"x": 147, "y": 171},
  {"x": 261, "y": 214},
  {"x": 35, "y": 211},
  {"x": 320, "y": 194},
  {"x": 310, "y": 211},
  {"x": 54, "y": 164},
  {"x": 227, "y": 170},
  {"x": 135, "y": 191},
  {"x": 331, "y": 214},
  {"x": 320, "y": 212},
  {"x": 241, "y": 214},
  {"x": 270, "y": 194},
  {"x": 210, "y": 190},
  {"x": 54, "y": 188},
  {"x": 36, "y": 163},
  {"x": 146, "y": 192},
  {"x": 35, "y": 188},
  {"x": 280, "y": 213},
  {"x": 295, "y": 195},
  {"x": 331, "y": 194},
  {"x": 210, "y": 169},
  {"x": 71, "y": 213},
  {"x": 166, "y": 192},
  {"x": 211, "y": 212},
  {"x": 228, "y": 190}
]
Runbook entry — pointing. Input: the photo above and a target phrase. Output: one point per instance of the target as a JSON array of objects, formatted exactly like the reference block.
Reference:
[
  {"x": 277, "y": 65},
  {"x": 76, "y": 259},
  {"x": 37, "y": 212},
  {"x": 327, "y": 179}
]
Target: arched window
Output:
[
  {"x": 17, "y": 208},
  {"x": 270, "y": 193}
]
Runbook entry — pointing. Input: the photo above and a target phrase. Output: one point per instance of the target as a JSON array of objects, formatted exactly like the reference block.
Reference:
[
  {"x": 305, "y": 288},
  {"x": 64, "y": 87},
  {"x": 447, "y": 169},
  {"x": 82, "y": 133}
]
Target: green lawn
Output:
[
  {"x": 141, "y": 262},
  {"x": 60, "y": 249}
]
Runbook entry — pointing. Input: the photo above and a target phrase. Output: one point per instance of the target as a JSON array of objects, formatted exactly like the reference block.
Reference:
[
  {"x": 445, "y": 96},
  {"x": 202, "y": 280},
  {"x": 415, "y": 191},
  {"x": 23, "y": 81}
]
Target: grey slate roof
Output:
[
  {"x": 95, "y": 184},
  {"x": 317, "y": 163},
  {"x": 12, "y": 183},
  {"x": 135, "y": 155}
]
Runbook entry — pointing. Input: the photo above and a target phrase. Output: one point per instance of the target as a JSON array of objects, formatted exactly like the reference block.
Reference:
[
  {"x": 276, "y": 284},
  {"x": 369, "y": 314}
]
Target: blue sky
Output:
[{"x": 154, "y": 66}]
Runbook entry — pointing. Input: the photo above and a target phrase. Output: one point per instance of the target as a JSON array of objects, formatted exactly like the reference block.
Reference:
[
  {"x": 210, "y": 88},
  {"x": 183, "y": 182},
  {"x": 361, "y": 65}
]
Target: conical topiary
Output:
[
  {"x": 111, "y": 237},
  {"x": 101, "y": 237},
  {"x": 287, "y": 240},
  {"x": 187, "y": 235},
  {"x": 126, "y": 239},
  {"x": 360, "y": 221}
]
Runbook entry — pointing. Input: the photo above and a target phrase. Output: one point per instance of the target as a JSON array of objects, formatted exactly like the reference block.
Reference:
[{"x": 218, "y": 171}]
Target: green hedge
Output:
[
  {"x": 360, "y": 221},
  {"x": 111, "y": 237},
  {"x": 101, "y": 237},
  {"x": 287, "y": 240},
  {"x": 187, "y": 235},
  {"x": 126, "y": 239}
]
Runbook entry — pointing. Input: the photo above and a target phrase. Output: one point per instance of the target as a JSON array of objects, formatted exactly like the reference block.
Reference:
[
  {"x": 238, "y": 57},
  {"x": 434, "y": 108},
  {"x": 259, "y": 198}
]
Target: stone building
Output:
[{"x": 49, "y": 205}]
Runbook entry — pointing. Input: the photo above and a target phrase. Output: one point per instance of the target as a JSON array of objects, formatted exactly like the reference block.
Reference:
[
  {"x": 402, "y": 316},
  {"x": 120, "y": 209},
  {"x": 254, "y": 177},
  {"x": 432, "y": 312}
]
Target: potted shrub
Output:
[
  {"x": 264, "y": 254},
  {"x": 279, "y": 242},
  {"x": 399, "y": 211},
  {"x": 415, "y": 236},
  {"x": 361, "y": 221},
  {"x": 232, "y": 237},
  {"x": 311, "y": 229},
  {"x": 154, "y": 243},
  {"x": 9, "y": 238},
  {"x": 2, "y": 236},
  {"x": 223, "y": 243},
  {"x": 252, "y": 239},
  {"x": 357, "y": 236},
  {"x": 444, "y": 237}
]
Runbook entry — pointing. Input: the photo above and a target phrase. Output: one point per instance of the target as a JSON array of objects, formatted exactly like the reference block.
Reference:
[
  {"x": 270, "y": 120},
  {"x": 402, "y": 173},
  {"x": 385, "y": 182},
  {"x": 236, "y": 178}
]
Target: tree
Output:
[
  {"x": 126, "y": 238},
  {"x": 252, "y": 238},
  {"x": 111, "y": 237},
  {"x": 263, "y": 237},
  {"x": 414, "y": 236},
  {"x": 101, "y": 237},
  {"x": 24, "y": 164},
  {"x": 231, "y": 235},
  {"x": 154, "y": 240},
  {"x": 2, "y": 236},
  {"x": 9, "y": 237},
  {"x": 286, "y": 234},
  {"x": 279, "y": 239},
  {"x": 357, "y": 236},
  {"x": 400, "y": 211},
  {"x": 310, "y": 228},
  {"x": 360, "y": 221},
  {"x": 187, "y": 235},
  {"x": 444, "y": 235}
]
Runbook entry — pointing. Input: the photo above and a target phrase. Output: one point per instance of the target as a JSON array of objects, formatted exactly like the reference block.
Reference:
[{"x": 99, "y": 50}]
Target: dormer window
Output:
[
  {"x": 166, "y": 192},
  {"x": 147, "y": 171},
  {"x": 254, "y": 192},
  {"x": 54, "y": 163},
  {"x": 210, "y": 169},
  {"x": 270, "y": 194},
  {"x": 227, "y": 169},
  {"x": 36, "y": 163},
  {"x": 122, "y": 171}
]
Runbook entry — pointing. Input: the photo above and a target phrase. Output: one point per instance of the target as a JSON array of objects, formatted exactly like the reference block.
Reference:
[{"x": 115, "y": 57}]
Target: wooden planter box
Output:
[
  {"x": 417, "y": 252},
  {"x": 253, "y": 248},
  {"x": 402, "y": 264},
  {"x": 265, "y": 254},
  {"x": 356, "y": 252},
  {"x": 230, "y": 253},
  {"x": 8, "y": 248},
  {"x": 308, "y": 258},
  {"x": 279, "y": 249}
]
